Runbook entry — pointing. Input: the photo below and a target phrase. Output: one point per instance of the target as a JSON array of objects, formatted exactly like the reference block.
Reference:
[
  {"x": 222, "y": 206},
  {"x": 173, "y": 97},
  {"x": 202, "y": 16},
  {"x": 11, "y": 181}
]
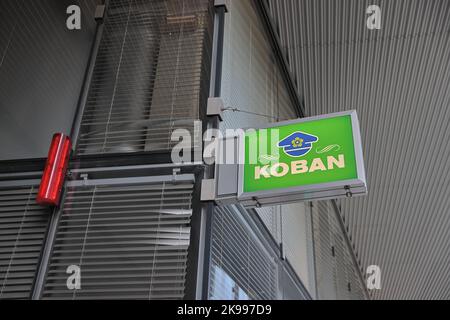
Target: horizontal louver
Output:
[
  {"x": 241, "y": 268},
  {"x": 149, "y": 75},
  {"x": 23, "y": 226},
  {"x": 130, "y": 242}
]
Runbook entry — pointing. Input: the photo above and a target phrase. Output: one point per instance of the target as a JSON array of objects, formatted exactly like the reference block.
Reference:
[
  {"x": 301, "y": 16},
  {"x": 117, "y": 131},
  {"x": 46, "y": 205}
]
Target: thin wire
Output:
[
  {"x": 10, "y": 37},
  {"x": 161, "y": 203},
  {"x": 177, "y": 71},
  {"x": 248, "y": 112},
  {"x": 8, "y": 45},
  {"x": 117, "y": 75},
  {"x": 86, "y": 234}
]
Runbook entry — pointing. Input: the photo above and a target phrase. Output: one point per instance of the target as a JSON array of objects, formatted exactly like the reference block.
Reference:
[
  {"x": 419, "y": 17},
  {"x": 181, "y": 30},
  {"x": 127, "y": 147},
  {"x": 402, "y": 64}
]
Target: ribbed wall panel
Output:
[{"x": 397, "y": 78}]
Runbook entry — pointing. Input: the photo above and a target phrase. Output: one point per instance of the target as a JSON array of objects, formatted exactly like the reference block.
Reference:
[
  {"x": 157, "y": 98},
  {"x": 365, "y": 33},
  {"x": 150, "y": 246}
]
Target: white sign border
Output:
[{"x": 359, "y": 182}]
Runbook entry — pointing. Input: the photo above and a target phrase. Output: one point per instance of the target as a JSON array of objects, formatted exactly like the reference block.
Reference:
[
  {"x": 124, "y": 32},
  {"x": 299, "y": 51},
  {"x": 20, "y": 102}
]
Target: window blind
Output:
[
  {"x": 151, "y": 75},
  {"x": 23, "y": 227},
  {"x": 130, "y": 241},
  {"x": 241, "y": 268},
  {"x": 251, "y": 77}
]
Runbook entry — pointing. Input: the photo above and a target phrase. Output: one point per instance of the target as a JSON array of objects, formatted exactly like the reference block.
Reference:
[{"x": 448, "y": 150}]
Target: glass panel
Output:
[
  {"x": 151, "y": 76},
  {"x": 42, "y": 66}
]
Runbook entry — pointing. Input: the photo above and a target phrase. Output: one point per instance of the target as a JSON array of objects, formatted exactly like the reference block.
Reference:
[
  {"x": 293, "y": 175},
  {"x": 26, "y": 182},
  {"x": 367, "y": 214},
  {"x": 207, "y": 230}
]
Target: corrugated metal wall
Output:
[{"x": 397, "y": 78}]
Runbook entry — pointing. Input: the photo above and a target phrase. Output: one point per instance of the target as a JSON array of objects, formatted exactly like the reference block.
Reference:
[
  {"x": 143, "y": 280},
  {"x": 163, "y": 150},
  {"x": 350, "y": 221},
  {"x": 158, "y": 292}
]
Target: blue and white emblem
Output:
[{"x": 298, "y": 143}]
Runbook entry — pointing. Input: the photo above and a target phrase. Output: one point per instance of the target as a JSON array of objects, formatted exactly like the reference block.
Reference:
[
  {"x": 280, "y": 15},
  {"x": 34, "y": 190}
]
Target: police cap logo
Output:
[{"x": 298, "y": 143}]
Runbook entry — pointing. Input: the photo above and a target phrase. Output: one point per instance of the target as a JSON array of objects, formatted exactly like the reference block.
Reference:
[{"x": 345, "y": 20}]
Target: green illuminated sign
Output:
[{"x": 313, "y": 158}]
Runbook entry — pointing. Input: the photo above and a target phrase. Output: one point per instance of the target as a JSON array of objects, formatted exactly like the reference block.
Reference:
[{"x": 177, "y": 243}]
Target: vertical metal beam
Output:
[
  {"x": 208, "y": 216},
  {"x": 220, "y": 17},
  {"x": 46, "y": 252},
  {"x": 207, "y": 209},
  {"x": 75, "y": 131},
  {"x": 194, "y": 269}
]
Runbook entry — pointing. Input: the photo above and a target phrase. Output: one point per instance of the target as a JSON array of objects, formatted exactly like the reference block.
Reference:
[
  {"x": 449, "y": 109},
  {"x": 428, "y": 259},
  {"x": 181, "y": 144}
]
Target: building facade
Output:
[{"x": 131, "y": 219}]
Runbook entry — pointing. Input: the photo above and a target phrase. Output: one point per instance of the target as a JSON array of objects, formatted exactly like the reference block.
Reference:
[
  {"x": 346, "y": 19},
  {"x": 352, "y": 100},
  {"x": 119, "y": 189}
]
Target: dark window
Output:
[
  {"x": 42, "y": 66},
  {"x": 151, "y": 75}
]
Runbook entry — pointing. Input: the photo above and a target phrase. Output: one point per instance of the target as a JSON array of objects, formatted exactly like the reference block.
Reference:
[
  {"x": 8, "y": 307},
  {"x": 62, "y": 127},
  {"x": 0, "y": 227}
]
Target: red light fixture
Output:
[{"x": 55, "y": 170}]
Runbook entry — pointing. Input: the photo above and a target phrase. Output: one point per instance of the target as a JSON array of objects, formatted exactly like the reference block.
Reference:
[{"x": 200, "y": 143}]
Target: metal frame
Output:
[
  {"x": 132, "y": 180},
  {"x": 205, "y": 262},
  {"x": 21, "y": 166},
  {"x": 19, "y": 183},
  {"x": 47, "y": 250},
  {"x": 75, "y": 131},
  {"x": 327, "y": 190},
  {"x": 217, "y": 62},
  {"x": 207, "y": 208},
  {"x": 48, "y": 246},
  {"x": 194, "y": 269}
]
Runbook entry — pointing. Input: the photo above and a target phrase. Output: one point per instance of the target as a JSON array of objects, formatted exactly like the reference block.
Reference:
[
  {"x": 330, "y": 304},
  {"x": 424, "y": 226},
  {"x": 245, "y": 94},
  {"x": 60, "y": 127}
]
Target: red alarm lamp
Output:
[{"x": 55, "y": 171}]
